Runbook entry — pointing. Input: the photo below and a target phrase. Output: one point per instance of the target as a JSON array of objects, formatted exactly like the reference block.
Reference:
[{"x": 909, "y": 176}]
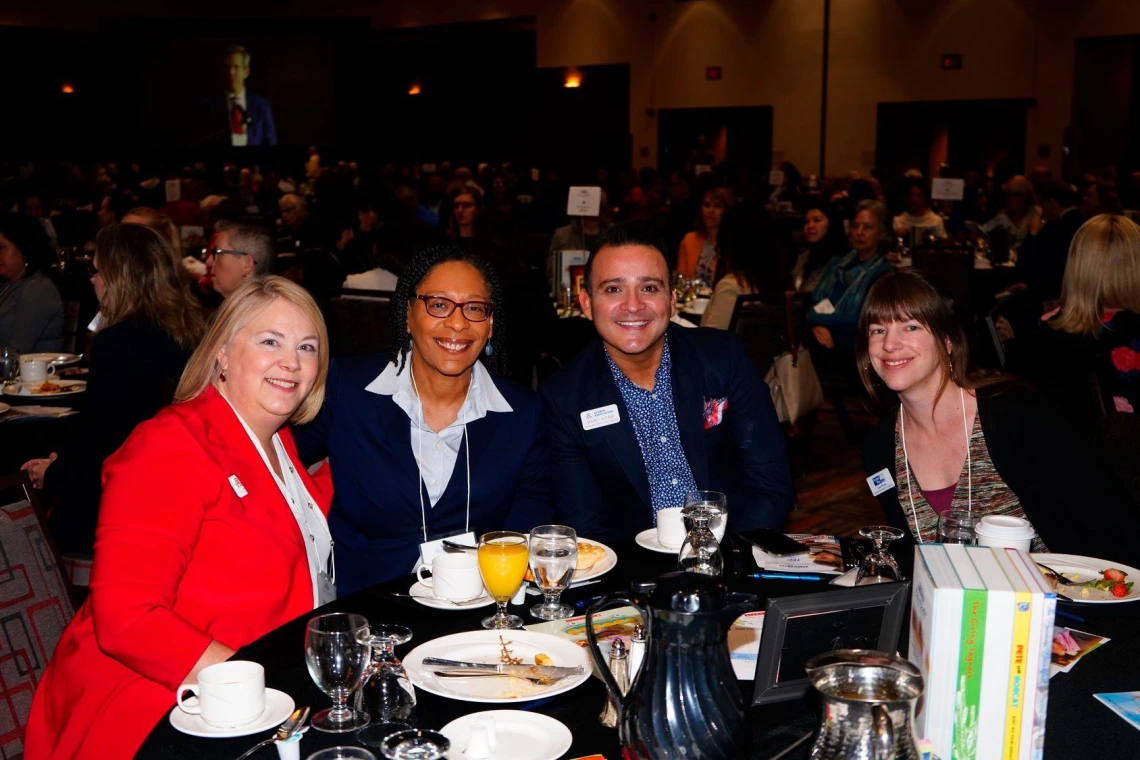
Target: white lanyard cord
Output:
[
  {"x": 969, "y": 465},
  {"x": 420, "y": 484}
]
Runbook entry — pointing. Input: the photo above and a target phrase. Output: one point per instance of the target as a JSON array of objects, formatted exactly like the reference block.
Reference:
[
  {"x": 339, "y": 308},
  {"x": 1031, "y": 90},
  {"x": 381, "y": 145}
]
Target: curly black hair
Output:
[{"x": 414, "y": 273}]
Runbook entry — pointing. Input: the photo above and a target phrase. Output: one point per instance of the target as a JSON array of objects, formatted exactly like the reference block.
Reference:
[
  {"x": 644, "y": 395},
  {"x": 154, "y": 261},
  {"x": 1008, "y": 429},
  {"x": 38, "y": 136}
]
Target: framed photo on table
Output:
[{"x": 797, "y": 628}]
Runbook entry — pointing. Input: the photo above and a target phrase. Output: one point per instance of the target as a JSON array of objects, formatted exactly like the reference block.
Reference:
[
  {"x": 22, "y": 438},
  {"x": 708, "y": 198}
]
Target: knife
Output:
[{"x": 550, "y": 671}]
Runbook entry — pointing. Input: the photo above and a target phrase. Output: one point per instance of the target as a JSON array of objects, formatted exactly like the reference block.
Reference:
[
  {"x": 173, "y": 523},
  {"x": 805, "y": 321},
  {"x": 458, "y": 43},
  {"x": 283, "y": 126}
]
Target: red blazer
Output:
[{"x": 180, "y": 560}]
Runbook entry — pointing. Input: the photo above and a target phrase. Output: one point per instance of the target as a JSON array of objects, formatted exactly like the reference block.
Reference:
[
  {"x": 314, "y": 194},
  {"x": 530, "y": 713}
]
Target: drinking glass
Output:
[
  {"x": 553, "y": 556},
  {"x": 713, "y": 500},
  {"x": 388, "y": 697},
  {"x": 503, "y": 557},
  {"x": 9, "y": 365},
  {"x": 879, "y": 566},
  {"x": 415, "y": 744},
  {"x": 337, "y": 655},
  {"x": 956, "y": 526},
  {"x": 342, "y": 753},
  {"x": 701, "y": 552}
]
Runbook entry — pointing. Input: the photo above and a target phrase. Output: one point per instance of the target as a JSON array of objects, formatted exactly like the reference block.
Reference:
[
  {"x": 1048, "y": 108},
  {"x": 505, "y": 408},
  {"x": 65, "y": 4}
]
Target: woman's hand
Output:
[
  {"x": 36, "y": 469},
  {"x": 823, "y": 336}
]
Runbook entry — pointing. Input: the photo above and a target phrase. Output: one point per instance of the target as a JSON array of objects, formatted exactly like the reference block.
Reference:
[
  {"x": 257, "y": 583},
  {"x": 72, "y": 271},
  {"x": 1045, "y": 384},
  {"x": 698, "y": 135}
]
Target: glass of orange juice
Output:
[{"x": 503, "y": 559}]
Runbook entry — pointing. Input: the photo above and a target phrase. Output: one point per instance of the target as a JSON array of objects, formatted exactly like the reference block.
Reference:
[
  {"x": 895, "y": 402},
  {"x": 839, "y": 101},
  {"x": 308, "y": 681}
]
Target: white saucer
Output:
[
  {"x": 520, "y": 735},
  {"x": 424, "y": 596},
  {"x": 278, "y": 707},
  {"x": 648, "y": 539}
]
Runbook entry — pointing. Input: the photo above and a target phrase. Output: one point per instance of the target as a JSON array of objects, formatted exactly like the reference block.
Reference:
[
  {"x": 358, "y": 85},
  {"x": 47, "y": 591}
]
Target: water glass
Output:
[
  {"x": 714, "y": 500},
  {"x": 388, "y": 697},
  {"x": 879, "y": 566},
  {"x": 503, "y": 558},
  {"x": 337, "y": 654},
  {"x": 342, "y": 753},
  {"x": 701, "y": 551},
  {"x": 553, "y": 556},
  {"x": 415, "y": 744},
  {"x": 956, "y": 526}
]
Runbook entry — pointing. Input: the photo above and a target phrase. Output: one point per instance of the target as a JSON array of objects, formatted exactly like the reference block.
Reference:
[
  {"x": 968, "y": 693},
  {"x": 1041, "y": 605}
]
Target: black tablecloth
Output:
[{"x": 1078, "y": 725}]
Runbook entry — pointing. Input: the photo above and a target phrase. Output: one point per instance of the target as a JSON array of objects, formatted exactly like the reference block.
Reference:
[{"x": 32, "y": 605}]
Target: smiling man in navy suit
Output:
[
  {"x": 249, "y": 116},
  {"x": 651, "y": 411}
]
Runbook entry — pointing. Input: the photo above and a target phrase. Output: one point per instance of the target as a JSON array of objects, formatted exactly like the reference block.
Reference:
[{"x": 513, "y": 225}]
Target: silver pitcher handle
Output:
[{"x": 883, "y": 747}]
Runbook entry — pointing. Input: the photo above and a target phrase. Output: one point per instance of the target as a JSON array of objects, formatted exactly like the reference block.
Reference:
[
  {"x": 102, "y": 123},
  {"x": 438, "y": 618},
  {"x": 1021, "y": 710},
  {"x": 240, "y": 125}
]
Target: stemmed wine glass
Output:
[
  {"x": 415, "y": 744},
  {"x": 337, "y": 655},
  {"x": 700, "y": 553},
  {"x": 879, "y": 566},
  {"x": 388, "y": 697},
  {"x": 553, "y": 556},
  {"x": 503, "y": 557}
]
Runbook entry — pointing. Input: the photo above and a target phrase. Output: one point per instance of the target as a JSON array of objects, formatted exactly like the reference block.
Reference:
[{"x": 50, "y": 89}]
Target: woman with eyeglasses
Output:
[{"x": 429, "y": 440}]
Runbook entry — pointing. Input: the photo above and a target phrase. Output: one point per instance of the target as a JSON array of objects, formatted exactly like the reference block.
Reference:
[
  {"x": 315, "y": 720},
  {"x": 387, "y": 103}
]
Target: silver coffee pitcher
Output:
[{"x": 868, "y": 705}]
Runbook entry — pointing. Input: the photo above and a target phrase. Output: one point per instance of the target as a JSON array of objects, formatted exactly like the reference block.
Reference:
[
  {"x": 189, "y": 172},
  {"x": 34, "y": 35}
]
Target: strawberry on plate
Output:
[
  {"x": 1112, "y": 574},
  {"x": 1119, "y": 589}
]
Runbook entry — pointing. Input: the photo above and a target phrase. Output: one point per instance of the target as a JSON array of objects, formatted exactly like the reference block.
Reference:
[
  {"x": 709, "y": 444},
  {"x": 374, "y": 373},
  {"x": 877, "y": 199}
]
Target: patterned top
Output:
[
  {"x": 706, "y": 264},
  {"x": 654, "y": 423},
  {"x": 991, "y": 495},
  {"x": 1118, "y": 362}
]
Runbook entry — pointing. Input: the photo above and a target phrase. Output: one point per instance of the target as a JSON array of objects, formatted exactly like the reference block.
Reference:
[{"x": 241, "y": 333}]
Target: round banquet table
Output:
[{"x": 1078, "y": 725}]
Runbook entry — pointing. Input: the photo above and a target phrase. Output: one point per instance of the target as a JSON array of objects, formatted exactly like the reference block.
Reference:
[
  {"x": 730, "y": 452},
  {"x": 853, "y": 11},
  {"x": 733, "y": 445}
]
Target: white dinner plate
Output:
[
  {"x": 648, "y": 539},
  {"x": 485, "y": 646},
  {"x": 601, "y": 567},
  {"x": 424, "y": 596},
  {"x": 28, "y": 390},
  {"x": 519, "y": 735},
  {"x": 57, "y": 359},
  {"x": 1081, "y": 569},
  {"x": 278, "y": 707}
]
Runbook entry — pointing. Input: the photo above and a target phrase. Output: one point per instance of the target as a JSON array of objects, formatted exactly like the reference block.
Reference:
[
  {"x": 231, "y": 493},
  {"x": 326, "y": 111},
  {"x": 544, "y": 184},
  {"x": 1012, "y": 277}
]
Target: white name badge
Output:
[
  {"x": 429, "y": 550},
  {"x": 824, "y": 307},
  {"x": 239, "y": 489},
  {"x": 600, "y": 417},
  {"x": 881, "y": 481}
]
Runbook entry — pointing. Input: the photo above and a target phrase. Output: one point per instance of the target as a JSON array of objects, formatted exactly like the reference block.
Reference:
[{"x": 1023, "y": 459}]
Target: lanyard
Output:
[
  {"x": 420, "y": 484},
  {"x": 969, "y": 467}
]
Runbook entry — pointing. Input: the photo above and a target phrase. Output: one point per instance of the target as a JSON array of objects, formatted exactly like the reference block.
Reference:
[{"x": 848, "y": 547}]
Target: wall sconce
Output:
[
  {"x": 414, "y": 89},
  {"x": 572, "y": 79},
  {"x": 67, "y": 88}
]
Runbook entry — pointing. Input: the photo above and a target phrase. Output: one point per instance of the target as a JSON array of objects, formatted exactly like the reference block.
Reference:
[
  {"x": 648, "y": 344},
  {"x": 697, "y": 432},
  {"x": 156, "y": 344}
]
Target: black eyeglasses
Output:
[
  {"x": 220, "y": 251},
  {"x": 463, "y": 204},
  {"x": 442, "y": 308}
]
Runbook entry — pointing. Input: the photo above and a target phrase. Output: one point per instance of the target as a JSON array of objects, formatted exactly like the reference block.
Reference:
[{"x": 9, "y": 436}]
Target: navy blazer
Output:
[
  {"x": 261, "y": 128},
  {"x": 375, "y": 514},
  {"x": 603, "y": 487}
]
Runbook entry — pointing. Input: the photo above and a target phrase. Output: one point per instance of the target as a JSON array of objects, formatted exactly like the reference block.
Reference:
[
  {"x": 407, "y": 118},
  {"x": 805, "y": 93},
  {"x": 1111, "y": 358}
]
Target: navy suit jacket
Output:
[
  {"x": 261, "y": 128},
  {"x": 375, "y": 514},
  {"x": 603, "y": 487}
]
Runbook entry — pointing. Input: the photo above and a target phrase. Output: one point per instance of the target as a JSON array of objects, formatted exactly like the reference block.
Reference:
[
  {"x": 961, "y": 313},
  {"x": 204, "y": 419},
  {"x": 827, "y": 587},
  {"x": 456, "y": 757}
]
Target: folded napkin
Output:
[{"x": 33, "y": 411}]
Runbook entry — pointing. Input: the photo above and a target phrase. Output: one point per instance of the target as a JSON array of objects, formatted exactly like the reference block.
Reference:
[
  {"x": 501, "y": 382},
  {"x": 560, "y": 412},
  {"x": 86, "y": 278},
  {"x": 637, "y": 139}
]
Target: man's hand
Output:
[
  {"x": 823, "y": 336},
  {"x": 36, "y": 469}
]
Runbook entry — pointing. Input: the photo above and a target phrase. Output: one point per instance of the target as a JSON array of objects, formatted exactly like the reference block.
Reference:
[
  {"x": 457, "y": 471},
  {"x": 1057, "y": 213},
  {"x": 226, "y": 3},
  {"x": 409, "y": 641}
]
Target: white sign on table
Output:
[
  {"x": 947, "y": 189},
  {"x": 584, "y": 201},
  {"x": 173, "y": 190}
]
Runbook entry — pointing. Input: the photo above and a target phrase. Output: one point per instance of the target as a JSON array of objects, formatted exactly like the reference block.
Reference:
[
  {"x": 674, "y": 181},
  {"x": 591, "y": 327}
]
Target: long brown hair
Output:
[
  {"x": 239, "y": 308},
  {"x": 139, "y": 270},
  {"x": 1102, "y": 272},
  {"x": 908, "y": 294},
  {"x": 718, "y": 195}
]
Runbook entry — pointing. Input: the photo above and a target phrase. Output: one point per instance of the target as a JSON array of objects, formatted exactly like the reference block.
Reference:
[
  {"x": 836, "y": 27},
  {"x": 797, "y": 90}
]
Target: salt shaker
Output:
[
  {"x": 619, "y": 666},
  {"x": 637, "y": 644}
]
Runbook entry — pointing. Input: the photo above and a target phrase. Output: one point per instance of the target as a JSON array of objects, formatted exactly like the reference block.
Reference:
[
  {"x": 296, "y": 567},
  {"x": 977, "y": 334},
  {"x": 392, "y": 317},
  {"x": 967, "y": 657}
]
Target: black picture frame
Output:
[{"x": 796, "y": 628}]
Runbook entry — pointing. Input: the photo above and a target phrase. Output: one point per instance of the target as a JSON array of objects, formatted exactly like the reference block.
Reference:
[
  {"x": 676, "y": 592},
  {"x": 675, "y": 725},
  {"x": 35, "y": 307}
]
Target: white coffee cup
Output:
[
  {"x": 35, "y": 370},
  {"x": 1004, "y": 531},
  {"x": 454, "y": 577},
  {"x": 671, "y": 529},
  {"x": 229, "y": 694}
]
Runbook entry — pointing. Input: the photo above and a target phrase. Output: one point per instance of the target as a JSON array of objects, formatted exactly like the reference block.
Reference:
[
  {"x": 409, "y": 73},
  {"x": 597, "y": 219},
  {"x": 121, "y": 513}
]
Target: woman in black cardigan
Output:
[
  {"x": 151, "y": 323},
  {"x": 955, "y": 439}
]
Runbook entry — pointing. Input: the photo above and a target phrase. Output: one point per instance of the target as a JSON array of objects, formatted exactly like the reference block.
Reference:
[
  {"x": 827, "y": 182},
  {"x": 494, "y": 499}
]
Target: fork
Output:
[
  {"x": 1057, "y": 577},
  {"x": 468, "y": 603},
  {"x": 538, "y": 680}
]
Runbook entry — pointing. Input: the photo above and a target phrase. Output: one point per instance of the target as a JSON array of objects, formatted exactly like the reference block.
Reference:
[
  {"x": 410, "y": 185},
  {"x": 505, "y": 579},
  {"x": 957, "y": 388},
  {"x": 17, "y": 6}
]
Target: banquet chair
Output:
[
  {"x": 766, "y": 324},
  {"x": 360, "y": 321},
  {"x": 37, "y": 602}
]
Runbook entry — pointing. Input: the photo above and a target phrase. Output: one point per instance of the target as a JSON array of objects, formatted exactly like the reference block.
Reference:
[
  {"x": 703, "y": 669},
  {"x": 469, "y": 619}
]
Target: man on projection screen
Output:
[{"x": 249, "y": 116}]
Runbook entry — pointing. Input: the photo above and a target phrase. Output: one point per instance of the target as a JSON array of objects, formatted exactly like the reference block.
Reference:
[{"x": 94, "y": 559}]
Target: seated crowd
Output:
[{"x": 292, "y": 470}]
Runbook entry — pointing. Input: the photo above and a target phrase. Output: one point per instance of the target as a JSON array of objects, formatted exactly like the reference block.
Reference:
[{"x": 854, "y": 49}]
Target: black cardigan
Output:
[{"x": 1075, "y": 505}]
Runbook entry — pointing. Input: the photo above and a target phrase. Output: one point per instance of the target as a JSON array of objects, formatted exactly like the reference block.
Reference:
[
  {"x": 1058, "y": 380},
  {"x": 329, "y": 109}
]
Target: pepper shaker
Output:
[
  {"x": 619, "y": 666},
  {"x": 637, "y": 644}
]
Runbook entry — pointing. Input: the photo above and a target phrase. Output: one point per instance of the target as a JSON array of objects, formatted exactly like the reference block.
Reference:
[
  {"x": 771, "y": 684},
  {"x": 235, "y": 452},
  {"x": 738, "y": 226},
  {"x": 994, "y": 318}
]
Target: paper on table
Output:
[
  {"x": 31, "y": 410},
  {"x": 1126, "y": 704},
  {"x": 824, "y": 556},
  {"x": 1063, "y": 662},
  {"x": 744, "y": 644}
]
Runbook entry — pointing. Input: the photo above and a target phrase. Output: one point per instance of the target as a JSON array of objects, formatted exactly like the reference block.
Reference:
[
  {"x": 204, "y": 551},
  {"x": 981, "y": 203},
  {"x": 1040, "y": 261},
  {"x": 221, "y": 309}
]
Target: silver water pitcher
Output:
[{"x": 868, "y": 705}]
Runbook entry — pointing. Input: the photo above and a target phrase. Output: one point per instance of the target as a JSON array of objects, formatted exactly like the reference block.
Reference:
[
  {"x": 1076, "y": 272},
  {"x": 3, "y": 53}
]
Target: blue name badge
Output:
[{"x": 881, "y": 481}]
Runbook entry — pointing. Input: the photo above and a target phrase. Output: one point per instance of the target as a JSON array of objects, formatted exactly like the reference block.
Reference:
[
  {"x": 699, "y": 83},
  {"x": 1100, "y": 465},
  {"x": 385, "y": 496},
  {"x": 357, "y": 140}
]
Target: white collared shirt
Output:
[
  {"x": 314, "y": 527},
  {"x": 237, "y": 140},
  {"x": 436, "y": 453}
]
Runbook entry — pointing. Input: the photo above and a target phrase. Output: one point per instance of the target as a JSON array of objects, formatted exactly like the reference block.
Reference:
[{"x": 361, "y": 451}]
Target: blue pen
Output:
[
  {"x": 584, "y": 603},
  {"x": 785, "y": 576},
  {"x": 1070, "y": 616}
]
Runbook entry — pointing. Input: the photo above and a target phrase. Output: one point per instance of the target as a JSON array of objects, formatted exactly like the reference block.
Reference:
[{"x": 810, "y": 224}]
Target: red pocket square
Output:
[{"x": 714, "y": 412}]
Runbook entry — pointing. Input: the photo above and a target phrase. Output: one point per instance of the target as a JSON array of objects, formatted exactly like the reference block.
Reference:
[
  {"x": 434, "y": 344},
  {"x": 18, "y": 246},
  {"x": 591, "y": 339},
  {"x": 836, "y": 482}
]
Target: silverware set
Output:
[{"x": 294, "y": 724}]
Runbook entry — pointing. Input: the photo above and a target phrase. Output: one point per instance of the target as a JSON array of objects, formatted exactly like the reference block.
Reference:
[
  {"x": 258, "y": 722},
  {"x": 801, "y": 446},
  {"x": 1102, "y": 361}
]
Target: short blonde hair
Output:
[
  {"x": 245, "y": 303},
  {"x": 1103, "y": 272}
]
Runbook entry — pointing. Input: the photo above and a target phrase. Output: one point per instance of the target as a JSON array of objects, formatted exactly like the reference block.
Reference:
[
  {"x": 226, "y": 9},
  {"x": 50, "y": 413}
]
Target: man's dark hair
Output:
[
  {"x": 28, "y": 235},
  {"x": 623, "y": 234},
  {"x": 1062, "y": 192}
]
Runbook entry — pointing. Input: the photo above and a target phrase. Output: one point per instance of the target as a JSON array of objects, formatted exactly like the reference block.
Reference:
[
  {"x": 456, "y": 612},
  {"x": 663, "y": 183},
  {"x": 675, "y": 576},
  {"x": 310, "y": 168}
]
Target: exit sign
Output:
[
  {"x": 951, "y": 61},
  {"x": 713, "y": 73}
]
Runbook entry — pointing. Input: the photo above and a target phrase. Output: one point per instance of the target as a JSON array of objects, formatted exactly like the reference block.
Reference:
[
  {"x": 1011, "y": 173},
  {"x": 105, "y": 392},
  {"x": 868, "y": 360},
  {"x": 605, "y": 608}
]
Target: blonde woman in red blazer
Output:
[{"x": 198, "y": 551}]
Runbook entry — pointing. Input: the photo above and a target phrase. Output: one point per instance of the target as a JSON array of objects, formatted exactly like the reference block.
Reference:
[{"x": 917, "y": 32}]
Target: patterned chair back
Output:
[{"x": 35, "y": 605}]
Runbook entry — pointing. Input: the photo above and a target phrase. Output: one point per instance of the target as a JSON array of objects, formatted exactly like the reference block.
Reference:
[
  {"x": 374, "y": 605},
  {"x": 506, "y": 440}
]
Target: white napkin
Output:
[{"x": 32, "y": 410}]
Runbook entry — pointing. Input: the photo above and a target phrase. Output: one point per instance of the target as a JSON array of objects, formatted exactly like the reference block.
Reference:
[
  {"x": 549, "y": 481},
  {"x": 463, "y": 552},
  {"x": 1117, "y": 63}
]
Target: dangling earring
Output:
[
  {"x": 223, "y": 376},
  {"x": 489, "y": 349}
]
